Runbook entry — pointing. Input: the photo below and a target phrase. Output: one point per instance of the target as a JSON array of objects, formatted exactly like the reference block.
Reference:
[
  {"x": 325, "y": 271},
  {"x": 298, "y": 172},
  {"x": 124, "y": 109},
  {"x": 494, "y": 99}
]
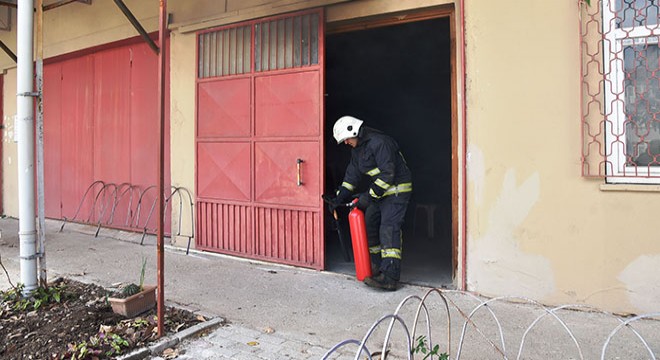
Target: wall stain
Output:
[{"x": 497, "y": 265}]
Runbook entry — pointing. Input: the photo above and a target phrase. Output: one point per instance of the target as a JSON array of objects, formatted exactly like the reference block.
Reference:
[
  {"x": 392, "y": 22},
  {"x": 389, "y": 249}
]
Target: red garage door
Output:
[
  {"x": 100, "y": 121},
  {"x": 259, "y": 139}
]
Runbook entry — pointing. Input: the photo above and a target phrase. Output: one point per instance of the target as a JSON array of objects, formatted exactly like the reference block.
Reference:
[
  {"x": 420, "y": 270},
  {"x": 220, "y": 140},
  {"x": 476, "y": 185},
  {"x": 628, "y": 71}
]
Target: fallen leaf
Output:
[
  {"x": 201, "y": 318},
  {"x": 253, "y": 343},
  {"x": 170, "y": 353},
  {"x": 269, "y": 330}
]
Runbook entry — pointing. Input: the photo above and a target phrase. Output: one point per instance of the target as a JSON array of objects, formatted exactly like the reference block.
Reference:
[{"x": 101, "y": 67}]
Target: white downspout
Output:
[{"x": 25, "y": 129}]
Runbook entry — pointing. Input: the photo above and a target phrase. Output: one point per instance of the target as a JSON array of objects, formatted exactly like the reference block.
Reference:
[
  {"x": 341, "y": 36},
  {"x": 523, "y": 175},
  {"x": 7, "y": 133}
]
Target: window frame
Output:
[{"x": 614, "y": 42}]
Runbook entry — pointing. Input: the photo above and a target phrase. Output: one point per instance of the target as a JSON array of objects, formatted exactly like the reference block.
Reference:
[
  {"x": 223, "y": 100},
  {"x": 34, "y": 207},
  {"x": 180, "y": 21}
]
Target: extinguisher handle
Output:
[{"x": 329, "y": 200}]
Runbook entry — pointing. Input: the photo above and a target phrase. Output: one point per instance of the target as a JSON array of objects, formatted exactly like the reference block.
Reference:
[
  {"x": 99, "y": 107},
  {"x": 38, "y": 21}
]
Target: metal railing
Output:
[
  {"x": 490, "y": 328},
  {"x": 108, "y": 198}
]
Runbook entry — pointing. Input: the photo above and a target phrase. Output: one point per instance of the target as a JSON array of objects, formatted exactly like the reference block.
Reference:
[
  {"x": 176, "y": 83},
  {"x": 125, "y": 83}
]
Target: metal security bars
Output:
[
  {"x": 225, "y": 52},
  {"x": 621, "y": 90},
  {"x": 286, "y": 43}
]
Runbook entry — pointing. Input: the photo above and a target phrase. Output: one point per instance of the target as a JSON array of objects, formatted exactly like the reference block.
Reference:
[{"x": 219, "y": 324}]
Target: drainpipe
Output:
[{"x": 25, "y": 128}]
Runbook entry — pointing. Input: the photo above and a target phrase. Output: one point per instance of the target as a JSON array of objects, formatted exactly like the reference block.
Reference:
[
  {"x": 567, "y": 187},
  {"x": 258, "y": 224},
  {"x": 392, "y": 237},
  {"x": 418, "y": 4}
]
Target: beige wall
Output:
[
  {"x": 535, "y": 226},
  {"x": 182, "y": 119},
  {"x": 9, "y": 150}
]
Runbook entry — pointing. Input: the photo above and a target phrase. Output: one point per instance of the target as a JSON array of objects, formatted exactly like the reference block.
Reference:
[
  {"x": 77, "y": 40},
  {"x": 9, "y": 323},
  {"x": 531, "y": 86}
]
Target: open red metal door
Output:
[{"x": 260, "y": 139}]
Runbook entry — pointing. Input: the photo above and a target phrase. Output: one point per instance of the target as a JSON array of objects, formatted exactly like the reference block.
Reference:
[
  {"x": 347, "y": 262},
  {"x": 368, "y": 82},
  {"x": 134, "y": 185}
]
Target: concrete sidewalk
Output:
[{"x": 282, "y": 312}]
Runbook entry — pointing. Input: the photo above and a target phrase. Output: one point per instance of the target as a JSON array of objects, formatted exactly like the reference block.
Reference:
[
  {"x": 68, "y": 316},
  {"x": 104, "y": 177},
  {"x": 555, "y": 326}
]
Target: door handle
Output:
[{"x": 299, "y": 166}]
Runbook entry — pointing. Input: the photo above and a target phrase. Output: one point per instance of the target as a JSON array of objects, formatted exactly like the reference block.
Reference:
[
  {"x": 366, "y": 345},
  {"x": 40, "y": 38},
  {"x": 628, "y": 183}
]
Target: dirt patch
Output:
[{"x": 81, "y": 325}]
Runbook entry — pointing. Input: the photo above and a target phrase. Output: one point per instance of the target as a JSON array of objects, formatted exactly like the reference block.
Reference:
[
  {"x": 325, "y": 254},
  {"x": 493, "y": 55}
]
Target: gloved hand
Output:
[
  {"x": 342, "y": 197},
  {"x": 364, "y": 200}
]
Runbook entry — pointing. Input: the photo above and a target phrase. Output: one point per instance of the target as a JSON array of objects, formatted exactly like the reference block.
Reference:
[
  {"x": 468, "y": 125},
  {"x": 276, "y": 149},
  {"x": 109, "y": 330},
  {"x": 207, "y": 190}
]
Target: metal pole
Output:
[
  {"x": 41, "y": 199},
  {"x": 25, "y": 128},
  {"x": 162, "y": 36}
]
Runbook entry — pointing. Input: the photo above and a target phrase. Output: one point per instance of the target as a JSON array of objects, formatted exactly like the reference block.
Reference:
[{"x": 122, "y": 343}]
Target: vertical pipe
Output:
[
  {"x": 41, "y": 197},
  {"x": 463, "y": 235},
  {"x": 25, "y": 127},
  {"x": 162, "y": 28}
]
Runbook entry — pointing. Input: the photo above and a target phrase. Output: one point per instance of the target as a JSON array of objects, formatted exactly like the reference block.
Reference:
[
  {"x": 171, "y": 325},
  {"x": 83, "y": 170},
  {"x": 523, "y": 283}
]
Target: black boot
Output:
[
  {"x": 375, "y": 264},
  {"x": 381, "y": 281}
]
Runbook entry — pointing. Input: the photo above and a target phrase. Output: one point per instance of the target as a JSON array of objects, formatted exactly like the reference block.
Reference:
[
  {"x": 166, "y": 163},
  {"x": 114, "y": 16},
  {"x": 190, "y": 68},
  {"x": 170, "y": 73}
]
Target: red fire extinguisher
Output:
[{"x": 359, "y": 240}]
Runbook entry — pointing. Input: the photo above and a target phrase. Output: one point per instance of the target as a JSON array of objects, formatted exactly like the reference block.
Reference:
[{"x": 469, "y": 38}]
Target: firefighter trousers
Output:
[{"x": 384, "y": 219}]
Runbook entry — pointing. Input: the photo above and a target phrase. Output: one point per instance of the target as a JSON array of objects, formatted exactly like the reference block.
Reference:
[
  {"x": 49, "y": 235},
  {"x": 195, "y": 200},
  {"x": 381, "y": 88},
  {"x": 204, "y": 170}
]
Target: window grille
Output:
[
  {"x": 283, "y": 43},
  {"x": 286, "y": 43},
  {"x": 621, "y": 90},
  {"x": 225, "y": 52}
]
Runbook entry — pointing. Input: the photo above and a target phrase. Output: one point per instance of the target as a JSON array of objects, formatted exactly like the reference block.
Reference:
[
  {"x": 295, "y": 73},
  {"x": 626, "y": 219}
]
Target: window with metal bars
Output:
[
  {"x": 283, "y": 43},
  {"x": 621, "y": 90},
  {"x": 286, "y": 43},
  {"x": 225, "y": 52}
]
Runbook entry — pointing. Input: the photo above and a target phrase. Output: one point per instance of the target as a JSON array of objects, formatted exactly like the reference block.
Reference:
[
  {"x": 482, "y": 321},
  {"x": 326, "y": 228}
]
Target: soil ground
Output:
[{"x": 81, "y": 324}]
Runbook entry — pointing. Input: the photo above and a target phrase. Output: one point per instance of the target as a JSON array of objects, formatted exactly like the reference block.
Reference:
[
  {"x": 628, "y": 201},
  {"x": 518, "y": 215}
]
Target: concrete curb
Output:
[{"x": 171, "y": 340}]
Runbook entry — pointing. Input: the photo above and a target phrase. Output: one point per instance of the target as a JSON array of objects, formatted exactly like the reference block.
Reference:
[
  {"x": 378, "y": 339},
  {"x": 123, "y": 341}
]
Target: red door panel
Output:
[
  {"x": 223, "y": 171},
  {"x": 112, "y": 114},
  {"x": 144, "y": 141},
  {"x": 291, "y": 236},
  {"x": 224, "y": 226},
  {"x": 224, "y": 108},
  {"x": 278, "y": 172},
  {"x": 77, "y": 144},
  {"x": 52, "y": 140},
  {"x": 287, "y": 104}
]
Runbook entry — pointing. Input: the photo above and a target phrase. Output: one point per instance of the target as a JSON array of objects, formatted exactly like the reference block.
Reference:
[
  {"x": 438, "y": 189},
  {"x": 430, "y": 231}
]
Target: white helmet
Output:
[{"x": 346, "y": 127}]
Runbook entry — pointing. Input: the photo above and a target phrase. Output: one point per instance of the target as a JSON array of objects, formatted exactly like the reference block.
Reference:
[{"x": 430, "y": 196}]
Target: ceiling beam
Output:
[
  {"x": 136, "y": 24},
  {"x": 65, "y": 2},
  {"x": 8, "y": 51}
]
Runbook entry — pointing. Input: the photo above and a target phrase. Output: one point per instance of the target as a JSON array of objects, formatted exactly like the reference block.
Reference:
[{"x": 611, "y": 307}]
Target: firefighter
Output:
[{"x": 377, "y": 156}]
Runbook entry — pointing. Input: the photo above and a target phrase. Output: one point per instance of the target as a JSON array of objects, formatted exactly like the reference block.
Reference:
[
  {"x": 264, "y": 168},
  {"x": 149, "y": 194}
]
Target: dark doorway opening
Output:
[{"x": 397, "y": 78}]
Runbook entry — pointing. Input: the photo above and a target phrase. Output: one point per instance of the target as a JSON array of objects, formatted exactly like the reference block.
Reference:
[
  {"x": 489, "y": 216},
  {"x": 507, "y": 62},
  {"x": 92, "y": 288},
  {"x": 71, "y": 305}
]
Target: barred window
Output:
[
  {"x": 286, "y": 43},
  {"x": 283, "y": 43},
  {"x": 225, "y": 52},
  {"x": 621, "y": 90}
]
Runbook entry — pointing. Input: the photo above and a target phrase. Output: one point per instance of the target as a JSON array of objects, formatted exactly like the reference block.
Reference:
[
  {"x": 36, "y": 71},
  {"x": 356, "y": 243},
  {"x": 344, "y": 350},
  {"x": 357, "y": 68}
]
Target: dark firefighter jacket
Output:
[{"x": 377, "y": 155}]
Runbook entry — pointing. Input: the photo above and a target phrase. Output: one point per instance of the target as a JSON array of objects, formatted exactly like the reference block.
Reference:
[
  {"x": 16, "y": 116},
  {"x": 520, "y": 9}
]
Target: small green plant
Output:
[
  {"x": 423, "y": 348},
  {"x": 144, "y": 266},
  {"x": 138, "y": 323},
  {"x": 132, "y": 289},
  {"x": 106, "y": 344},
  {"x": 116, "y": 342},
  {"x": 38, "y": 297}
]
